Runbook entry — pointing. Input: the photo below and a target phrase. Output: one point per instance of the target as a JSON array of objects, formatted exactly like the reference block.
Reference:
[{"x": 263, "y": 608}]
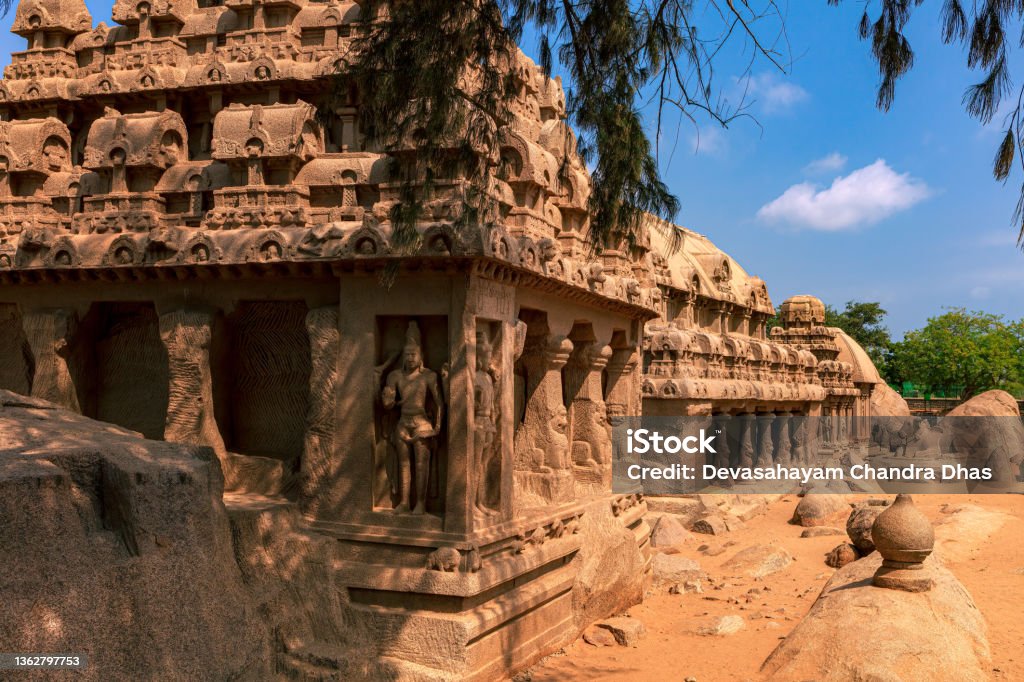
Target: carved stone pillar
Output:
[
  {"x": 50, "y": 334},
  {"x": 748, "y": 435},
  {"x": 542, "y": 470},
  {"x": 318, "y": 446},
  {"x": 765, "y": 441},
  {"x": 186, "y": 335},
  {"x": 798, "y": 439},
  {"x": 721, "y": 458},
  {"x": 591, "y": 434},
  {"x": 622, "y": 383},
  {"x": 783, "y": 446}
]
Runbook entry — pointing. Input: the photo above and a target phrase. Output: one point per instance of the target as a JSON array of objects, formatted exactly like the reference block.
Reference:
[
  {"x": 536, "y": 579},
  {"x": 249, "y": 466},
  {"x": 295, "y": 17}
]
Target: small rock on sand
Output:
[{"x": 626, "y": 631}]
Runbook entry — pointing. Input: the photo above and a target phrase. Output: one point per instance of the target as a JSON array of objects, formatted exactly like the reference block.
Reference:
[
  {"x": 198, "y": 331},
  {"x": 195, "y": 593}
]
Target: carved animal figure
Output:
[{"x": 446, "y": 559}]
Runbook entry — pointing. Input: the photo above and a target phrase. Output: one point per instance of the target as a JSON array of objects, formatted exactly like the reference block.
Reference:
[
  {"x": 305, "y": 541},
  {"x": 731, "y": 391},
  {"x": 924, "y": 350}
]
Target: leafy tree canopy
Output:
[
  {"x": 863, "y": 321},
  {"x": 973, "y": 350}
]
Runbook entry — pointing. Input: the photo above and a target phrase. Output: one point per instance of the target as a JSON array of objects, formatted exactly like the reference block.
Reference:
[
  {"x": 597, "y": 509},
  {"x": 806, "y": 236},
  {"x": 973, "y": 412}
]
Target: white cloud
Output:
[
  {"x": 773, "y": 93},
  {"x": 832, "y": 163},
  {"x": 864, "y": 197}
]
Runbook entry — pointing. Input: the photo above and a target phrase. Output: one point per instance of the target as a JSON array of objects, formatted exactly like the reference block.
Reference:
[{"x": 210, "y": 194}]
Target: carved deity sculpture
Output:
[
  {"x": 408, "y": 388},
  {"x": 485, "y": 413}
]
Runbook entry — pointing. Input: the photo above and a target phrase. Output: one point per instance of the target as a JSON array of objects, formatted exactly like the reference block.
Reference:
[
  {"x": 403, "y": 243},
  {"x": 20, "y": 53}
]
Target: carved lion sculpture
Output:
[{"x": 445, "y": 559}]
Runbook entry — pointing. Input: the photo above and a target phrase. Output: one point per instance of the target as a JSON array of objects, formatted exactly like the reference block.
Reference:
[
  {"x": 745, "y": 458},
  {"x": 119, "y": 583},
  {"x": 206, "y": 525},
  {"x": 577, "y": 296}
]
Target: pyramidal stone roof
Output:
[{"x": 192, "y": 136}]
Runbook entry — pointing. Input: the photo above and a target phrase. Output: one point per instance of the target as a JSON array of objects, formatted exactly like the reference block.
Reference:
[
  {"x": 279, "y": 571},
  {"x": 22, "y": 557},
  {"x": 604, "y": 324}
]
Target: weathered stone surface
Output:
[
  {"x": 596, "y": 635},
  {"x": 686, "y": 509},
  {"x": 710, "y": 525},
  {"x": 627, "y": 631},
  {"x": 886, "y": 402},
  {"x": 841, "y": 555},
  {"x": 818, "y": 508},
  {"x": 117, "y": 542},
  {"x": 988, "y": 404},
  {"x": 858, "y": 528},
  {"x": 610, "y": 576},
  {"x": 668, "y": 569},
  {"x": 720, "y": 625},
  {"x": 820, "y": 531},
  {"x": 669, "y": 532},
  {"x": 842, "y": 637},
  {"x": 758, "y": 561}
]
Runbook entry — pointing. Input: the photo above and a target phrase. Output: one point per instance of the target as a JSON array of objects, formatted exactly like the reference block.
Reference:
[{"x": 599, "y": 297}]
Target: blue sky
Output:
[
  {"x": 834, "y": 198},
  {"x": 914, "y": 219}
]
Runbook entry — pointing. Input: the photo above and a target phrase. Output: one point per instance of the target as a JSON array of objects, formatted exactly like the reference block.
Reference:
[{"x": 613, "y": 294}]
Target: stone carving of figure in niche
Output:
[
  {"x": 408, "y": 389},
  {"x": 485, "y": 432},
  {"x": 253, "y": 153},
  {"x": 5, "y": 178}
]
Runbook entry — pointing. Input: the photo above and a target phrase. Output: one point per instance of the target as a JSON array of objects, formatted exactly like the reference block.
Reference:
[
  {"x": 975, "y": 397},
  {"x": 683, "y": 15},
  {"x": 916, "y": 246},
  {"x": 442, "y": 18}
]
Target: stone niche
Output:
[
  {"x": 261, "y": 378},
  {"x": 396, "y": 336}
]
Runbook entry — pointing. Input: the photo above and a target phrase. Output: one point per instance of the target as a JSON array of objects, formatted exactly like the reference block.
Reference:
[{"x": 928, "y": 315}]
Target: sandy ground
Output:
[{"x": 990, "y": 564}]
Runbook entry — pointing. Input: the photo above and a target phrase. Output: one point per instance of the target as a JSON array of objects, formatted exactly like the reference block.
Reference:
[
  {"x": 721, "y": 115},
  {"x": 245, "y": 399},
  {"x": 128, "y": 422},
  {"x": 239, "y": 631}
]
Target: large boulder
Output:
[
  {"x": 886, "y": 402},
  {"x": 119, "y": 548},
  {"x": 856, "y": 631},
  {"x": 988, "y": 432},
  {"x": 820, "y": 507},
  {"x": 987, "y": 404},
  {"x": 610, "y": 578}
]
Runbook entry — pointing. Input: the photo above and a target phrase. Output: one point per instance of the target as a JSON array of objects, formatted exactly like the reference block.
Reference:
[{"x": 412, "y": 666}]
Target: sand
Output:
[{"x": 985, "y": 552}]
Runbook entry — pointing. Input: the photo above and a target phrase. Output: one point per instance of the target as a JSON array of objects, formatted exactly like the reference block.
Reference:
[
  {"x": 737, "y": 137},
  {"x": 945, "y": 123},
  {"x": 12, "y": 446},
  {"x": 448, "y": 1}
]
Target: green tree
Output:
[
  {"x": 960, "y": 350},
  {"x": 863, "y": 321}
]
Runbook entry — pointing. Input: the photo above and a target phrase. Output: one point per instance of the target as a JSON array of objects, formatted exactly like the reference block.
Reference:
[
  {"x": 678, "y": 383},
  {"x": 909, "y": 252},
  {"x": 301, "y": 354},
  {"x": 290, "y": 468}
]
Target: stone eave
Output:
[{"x": 482, "y": 266}]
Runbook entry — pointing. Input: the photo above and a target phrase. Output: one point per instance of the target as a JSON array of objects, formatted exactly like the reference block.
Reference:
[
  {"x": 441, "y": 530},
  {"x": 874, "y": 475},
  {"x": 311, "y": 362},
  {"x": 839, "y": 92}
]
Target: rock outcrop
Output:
[
  {"x": 819, "y": 507},
  {"x": 120, "y": 549},
  {"x": 855, "y": 631},
  {"x": 987, "y": 404},
  {"x": 886, "y": 402}
]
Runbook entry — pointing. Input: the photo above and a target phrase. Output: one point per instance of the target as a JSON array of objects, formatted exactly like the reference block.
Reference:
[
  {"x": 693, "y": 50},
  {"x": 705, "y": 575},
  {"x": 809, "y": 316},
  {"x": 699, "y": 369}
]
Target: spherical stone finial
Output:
[{"x": 905, "y": 538}]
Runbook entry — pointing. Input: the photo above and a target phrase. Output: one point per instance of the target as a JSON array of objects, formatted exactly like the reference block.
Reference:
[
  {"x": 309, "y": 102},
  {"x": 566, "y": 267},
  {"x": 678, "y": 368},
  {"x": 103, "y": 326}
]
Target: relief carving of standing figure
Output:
[
  {"x": 408, "y": 388},
  {"x": 485, "y": 409}
]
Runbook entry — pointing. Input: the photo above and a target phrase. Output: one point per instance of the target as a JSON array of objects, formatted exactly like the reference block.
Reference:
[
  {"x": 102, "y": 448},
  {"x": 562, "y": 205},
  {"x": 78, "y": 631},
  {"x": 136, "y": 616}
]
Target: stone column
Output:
[
  {"x": 721, "y": 458},
  {"x": 765, "y": 441},
  {"x": 783, "y": 447},
  {"x": 591, "y": 446},
  {"x": 187, "y": 335},
  {"x": 318, "y": 445},
  {"x": 798, "y": 439},
  {"x": 544, "y": 414},
  {"x": 748, "y": 436},
  {"x": 622, "y": 383},
  {"x": 542, "y": 469},
  {"x": 50, "y": 334}
]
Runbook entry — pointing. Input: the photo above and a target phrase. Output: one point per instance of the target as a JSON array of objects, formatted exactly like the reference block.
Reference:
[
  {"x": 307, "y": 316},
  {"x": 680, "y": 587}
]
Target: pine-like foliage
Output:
[
  {"x": 988, "y": 30},
  {"x": 433, "y": 77}
]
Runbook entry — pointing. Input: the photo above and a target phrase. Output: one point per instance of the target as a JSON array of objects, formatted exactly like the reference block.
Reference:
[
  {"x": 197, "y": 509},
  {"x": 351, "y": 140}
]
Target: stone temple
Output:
[{"x": 191, "y": 249}]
